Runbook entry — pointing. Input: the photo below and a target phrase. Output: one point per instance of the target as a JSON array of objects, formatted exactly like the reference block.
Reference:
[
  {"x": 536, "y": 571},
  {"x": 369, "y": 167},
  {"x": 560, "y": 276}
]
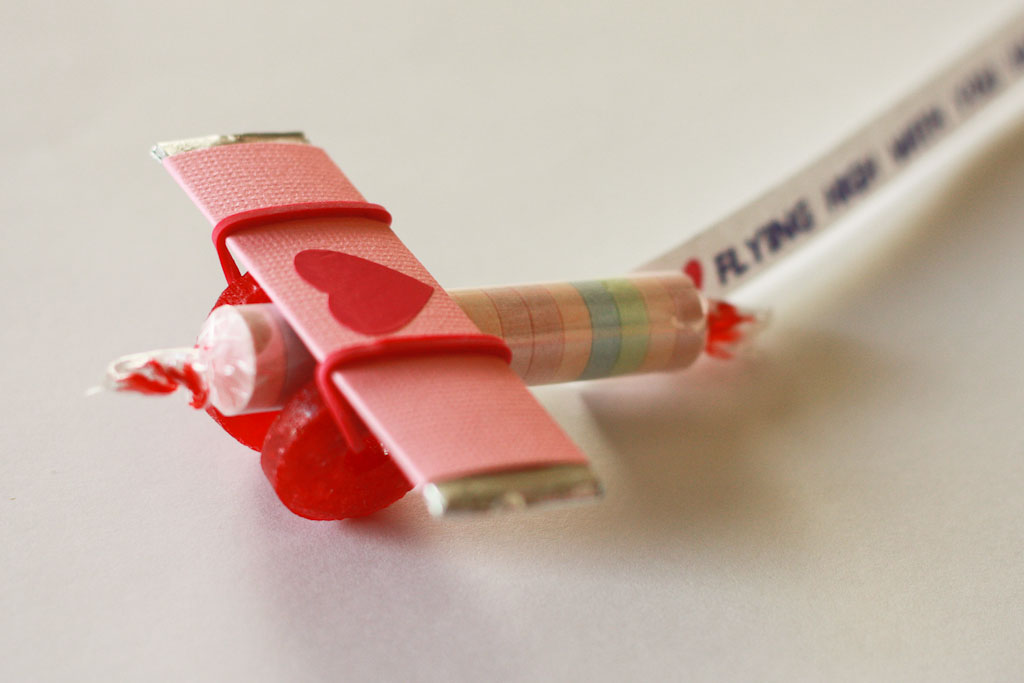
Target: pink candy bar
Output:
[{"x": 443, "y": 416}]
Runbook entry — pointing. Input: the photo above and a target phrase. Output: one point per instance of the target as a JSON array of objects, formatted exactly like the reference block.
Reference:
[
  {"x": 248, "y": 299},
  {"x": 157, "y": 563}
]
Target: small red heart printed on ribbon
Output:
[
  {"x": 362, "y": 295},
  {"x": 694, "y": 270}
]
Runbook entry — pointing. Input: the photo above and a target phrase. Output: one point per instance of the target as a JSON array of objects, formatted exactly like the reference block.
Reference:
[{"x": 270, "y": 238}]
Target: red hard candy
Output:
[{"x": 317, "y": 474}]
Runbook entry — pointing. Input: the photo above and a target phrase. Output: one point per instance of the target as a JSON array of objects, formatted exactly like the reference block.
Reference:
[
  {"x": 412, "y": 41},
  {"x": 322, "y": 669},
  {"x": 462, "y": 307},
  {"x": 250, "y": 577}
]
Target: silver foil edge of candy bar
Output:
[
  {"x": 511, "y": 490},
  {"x": 162, "y": 150}
]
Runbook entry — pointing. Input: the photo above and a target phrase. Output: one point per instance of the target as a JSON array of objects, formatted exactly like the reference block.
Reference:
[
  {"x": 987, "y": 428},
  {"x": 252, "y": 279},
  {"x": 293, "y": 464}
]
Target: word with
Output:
[{"x": 915, "y": 136}]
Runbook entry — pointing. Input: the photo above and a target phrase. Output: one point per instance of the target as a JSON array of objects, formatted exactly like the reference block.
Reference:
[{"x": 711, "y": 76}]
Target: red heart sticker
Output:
[
  {"x": 694, "y": 270},
  {"x": 362, "y": 295}
]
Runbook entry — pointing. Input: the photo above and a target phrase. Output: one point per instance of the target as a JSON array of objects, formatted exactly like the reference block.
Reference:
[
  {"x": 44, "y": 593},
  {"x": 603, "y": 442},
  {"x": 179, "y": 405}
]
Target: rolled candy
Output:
[
  {"x": 252, "y": 361},
  {"x": 563, "y": 332}
]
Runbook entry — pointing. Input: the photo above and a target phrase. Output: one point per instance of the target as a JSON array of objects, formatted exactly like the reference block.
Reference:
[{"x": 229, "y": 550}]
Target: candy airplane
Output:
[{"x": 359, "y": 377}]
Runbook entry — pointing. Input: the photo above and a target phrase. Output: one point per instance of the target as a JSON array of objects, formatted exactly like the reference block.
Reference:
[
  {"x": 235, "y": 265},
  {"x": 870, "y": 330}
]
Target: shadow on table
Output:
[{"x": 699, "y": 453}]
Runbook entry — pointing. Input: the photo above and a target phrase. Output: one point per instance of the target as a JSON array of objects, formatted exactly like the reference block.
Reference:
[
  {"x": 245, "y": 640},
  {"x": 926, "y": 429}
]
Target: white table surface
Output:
[{"x": 844, "y": 504}]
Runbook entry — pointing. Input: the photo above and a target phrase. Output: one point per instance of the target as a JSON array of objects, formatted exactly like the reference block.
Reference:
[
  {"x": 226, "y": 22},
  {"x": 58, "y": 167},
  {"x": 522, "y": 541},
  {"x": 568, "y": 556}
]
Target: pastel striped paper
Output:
[{"x": 562, "y": 332}]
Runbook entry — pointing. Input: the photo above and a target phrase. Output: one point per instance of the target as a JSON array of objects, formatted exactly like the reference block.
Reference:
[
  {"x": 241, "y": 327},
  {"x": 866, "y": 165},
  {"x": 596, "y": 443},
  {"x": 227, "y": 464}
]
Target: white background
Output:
[{"x": 845, "y": 504}]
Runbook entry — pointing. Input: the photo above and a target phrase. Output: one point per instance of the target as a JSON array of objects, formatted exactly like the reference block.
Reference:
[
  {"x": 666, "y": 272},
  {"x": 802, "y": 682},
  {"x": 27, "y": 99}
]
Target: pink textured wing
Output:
[
  {"x": 231, "y": 179},
  {"x": 441, "y": 417}
]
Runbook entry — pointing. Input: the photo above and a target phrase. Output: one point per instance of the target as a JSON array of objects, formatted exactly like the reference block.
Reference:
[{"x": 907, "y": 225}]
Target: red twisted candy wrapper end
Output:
[
  {"x": 159, "y": 372},
  {"x": 728, "y": 328}
]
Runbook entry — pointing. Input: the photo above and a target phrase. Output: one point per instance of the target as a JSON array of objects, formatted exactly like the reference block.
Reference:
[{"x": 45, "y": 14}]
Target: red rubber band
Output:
[
  {"x": 392, "y": 347},
  {"x": 286, "y": 212}
]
